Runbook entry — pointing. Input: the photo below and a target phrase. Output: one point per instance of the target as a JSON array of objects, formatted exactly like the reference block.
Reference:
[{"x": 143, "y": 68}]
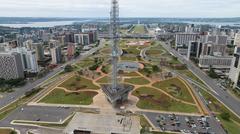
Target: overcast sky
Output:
[{"x": 128, "y": 8}]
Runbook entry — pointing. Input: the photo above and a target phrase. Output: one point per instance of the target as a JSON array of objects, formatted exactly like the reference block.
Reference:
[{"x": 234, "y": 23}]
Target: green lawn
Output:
[
  {"x": 139, "y": 29},
  {"x": 7, "y": 131},
  {"x": 128, "y": 58},
  {"x": 105, "y": 79},
  {"x": 137, "y": 81},
  {"x": 190, "y": 75},
  {"x": 176, "y": 88},
  {"x": 131, "y": 74},
  {"x": 106, "y": 51},
  {"x": 85, "y": 63},
  {"x": 132, "y": 50},
  {"x": 59, "y": 96},
  {"x": 155, "y": 53},
  {"x": 231, "y": 127},
  {"x": 78, "y": 83},
  {"x": 155, "y": 100}
]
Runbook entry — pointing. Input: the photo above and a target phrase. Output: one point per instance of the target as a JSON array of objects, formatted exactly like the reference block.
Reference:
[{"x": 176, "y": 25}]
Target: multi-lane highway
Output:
[
  {"x": 224, "y": 97},
  {"x": 19, "y": 92}
]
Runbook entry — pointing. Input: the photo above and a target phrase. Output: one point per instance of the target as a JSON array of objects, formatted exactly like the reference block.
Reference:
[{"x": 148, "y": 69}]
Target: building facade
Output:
[
  {"x": 11, "y": 66},
  {"x": 217, "y": 62},
  {"x": 56, "y": 55}
]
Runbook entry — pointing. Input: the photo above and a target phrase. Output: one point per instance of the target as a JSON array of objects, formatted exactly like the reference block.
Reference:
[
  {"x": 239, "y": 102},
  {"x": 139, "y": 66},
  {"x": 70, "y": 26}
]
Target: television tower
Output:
[
  {"x": 114, "y": 25},
  {"x": 115, "y": 93}
]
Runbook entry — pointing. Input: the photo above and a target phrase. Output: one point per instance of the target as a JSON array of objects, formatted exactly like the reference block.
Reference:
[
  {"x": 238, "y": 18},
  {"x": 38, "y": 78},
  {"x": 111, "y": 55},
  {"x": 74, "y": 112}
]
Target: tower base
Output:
[{"x": 120, "y": 95}]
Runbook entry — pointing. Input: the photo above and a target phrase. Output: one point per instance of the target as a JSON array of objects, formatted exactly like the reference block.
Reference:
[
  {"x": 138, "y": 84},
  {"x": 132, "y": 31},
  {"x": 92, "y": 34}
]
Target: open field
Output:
[
  {"x": 139, "y": 29},
  {"x": 78, "y": 83},
  {"x": 58, "y": 96},
  {"x": 137, "y": 81},
  {"x": 131, "y": 74},
  {"x": 129, "y": 58},
  {"x": 132, "y": 50},
  {"x": 105, "y": 79},
  {"x": 7, "y": 131},
  {"x": 155, "y": 100},
  {"x": 176, "y": 88},
  {"x": 85, "y": 63}
]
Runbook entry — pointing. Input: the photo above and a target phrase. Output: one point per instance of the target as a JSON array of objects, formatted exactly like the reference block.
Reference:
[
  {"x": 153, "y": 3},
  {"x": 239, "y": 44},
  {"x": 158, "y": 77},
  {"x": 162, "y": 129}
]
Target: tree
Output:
[
  {"x": 68, "y": 68},
  {"x": 155, "y": 68},
  {"x": 212, "y": 73},
  {"x": 226, "y": 116}
]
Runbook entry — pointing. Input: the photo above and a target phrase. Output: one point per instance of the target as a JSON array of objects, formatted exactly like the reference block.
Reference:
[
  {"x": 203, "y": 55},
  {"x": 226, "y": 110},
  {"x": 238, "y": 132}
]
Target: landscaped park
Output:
[{"x": 153, "y": 93}]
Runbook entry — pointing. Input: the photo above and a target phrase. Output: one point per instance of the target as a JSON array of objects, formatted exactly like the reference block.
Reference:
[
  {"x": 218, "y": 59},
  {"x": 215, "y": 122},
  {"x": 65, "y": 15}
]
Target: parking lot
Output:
[{"x": 182, "y": 123}]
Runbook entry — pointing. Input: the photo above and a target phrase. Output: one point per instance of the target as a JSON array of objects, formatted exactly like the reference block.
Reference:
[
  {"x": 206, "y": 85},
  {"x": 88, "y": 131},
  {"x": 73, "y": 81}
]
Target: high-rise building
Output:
[
  {"x": 28, "y": 58},
  {"x": 211, "y": 49},
  {"x": 183, "y": 39},
  {"x": 92, "y": 36},
  {"x": 56, "y": 55},
  {"x": 69, "y": 37},
  {"x": 70, "y": 50},
  {"x": 2, "y": 39},
  {"x": 11, "y": 66},
  {"x": 85, "y": 39},
  {"x": 237, "y": 40},
  {"x": 217, "y": 62},
  {"x": 78, "y": 38},
  {"x": 39, "y": 51},
  {"x": 28, "y": 44}
]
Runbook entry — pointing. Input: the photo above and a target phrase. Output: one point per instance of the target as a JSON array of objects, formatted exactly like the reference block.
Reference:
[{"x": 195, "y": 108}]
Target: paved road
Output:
[
  {"x": 229, "y": 101},
  {"x": 11, "y": 97}
]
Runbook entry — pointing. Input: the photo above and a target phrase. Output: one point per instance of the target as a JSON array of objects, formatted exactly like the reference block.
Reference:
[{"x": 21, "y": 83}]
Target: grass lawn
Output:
[
  {"x": 155, "y": 53},
  {"x": 106, "y": 51},
  {"x": 128, "y": 58},
  {"x": 85, "y": 63},
  {"x": 7, "y": 131},
  {"x": 132, "y": 50},
  {"x": 176, "y": 88},
  {"x": 78, "y": 83},
  {"x": 105, "y": 79},
  {"x": 59, "y": 96},
  {"x": 231, "y": 126},
  {"x": 139, "y": 29},
  {"x": 190, "y": 75},
  {"x": 155, "y": 100},
  {"x": 137, "y": 81},
  {"x": 131, "y": 74}
]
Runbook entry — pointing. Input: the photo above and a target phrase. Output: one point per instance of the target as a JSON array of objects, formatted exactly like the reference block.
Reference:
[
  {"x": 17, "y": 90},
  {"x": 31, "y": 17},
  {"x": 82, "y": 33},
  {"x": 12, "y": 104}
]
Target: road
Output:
[
  {"x": 19, "y": 92},
  {"x": 224, "y": 97}
]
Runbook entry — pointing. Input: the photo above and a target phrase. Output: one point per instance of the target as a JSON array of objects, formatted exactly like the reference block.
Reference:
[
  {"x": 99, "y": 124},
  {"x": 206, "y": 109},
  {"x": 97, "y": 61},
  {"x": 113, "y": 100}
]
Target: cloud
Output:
[{"x": 131, "y": 8}]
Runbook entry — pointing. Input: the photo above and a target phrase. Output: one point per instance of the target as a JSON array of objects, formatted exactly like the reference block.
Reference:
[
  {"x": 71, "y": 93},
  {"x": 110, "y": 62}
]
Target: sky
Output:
[{"x": 128, "y": 8}]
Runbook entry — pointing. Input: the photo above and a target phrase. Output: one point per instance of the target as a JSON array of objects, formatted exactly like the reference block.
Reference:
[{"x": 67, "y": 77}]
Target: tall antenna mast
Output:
[{"x": 114, "y": 25}]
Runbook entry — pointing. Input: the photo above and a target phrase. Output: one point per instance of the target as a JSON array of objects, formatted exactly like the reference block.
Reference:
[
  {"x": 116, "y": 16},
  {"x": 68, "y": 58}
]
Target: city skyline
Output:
[{"x": 141, "y": 8}]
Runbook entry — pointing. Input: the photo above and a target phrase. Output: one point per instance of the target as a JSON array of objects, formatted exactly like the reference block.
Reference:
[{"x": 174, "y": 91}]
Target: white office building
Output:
[
  {"x": 217, "y": 62},
  {"x": 28, "y": 58}
]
